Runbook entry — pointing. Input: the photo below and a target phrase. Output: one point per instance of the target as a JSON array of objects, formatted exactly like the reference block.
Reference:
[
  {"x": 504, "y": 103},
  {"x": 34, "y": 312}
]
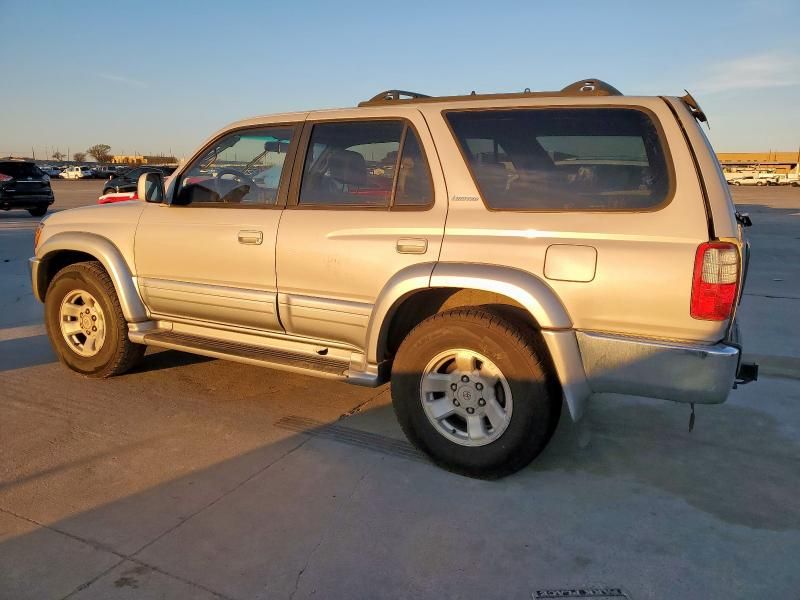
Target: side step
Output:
[{"x": 247, "y": 353}]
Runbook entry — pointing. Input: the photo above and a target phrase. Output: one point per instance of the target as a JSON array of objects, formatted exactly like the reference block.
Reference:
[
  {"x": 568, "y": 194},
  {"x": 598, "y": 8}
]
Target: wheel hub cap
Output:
[
  {"x": 82, "y": 323},
  {"x": 466, "y": 397}
]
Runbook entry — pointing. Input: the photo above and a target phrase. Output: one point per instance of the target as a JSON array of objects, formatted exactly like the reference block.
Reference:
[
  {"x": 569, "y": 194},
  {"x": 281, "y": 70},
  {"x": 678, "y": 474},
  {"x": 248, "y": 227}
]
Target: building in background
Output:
[{"x": 777, "y": 162}]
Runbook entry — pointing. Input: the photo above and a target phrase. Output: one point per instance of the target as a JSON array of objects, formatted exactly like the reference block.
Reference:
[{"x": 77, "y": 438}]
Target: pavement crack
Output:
[
  {"x": 97, "y": 577},
  {"x": 325, "y": 532},
  {"x": 77, "y": 538},
  {"x": 221, "y": 496},
  {"x": 359, "y": 407},
  {"x": 121, "y": 556},
  {"x": 178, "y": 578}
]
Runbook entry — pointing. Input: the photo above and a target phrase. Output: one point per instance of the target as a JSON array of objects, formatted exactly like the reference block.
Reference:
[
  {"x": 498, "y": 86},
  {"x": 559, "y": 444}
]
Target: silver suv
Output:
[{"x": 494, "y": 256}]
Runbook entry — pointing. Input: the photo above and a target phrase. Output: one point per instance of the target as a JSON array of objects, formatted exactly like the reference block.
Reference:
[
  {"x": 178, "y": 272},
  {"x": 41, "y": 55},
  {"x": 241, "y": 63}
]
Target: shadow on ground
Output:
[{"x": 628, "y": 497}]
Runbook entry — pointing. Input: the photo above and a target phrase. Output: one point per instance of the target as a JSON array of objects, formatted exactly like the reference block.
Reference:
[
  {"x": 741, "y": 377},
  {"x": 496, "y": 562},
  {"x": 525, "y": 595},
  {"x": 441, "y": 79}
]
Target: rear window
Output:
[
  {"x": 20, "y": 169},
  {"x": 597, "y": 159}
]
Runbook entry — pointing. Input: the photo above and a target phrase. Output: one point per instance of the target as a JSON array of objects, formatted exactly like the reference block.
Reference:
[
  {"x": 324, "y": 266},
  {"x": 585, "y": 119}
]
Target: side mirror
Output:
[{"x": 150, "y": 187}]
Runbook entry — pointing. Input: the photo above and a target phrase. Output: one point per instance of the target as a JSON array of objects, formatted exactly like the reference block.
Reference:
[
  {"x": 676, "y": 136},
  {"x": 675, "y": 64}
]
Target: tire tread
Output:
[
  {"x": 528, "y": 344},
  {"x": 127, "y": 354}
]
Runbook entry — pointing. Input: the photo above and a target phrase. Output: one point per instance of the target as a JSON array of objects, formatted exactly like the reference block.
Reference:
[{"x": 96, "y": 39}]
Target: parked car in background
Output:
[
  {"x": 105, "y": 172},
  {"x": 759, "y": 178},
  {"x": 78, "y": 172},
  {"x": 126, "y": 181},
  {"x": 50, "y": 170},
  {"x": 792, "y": 179},
  {"x": 114, "y": 197},
  {"x": 25, "y": 186}
]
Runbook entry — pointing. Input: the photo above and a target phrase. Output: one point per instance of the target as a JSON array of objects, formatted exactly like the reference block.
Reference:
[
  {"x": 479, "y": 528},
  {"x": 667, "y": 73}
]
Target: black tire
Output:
[
  {"x": 38, "y": 211},
  {"x": 521, "y": 359},
  {"x": 117, "y": 354}
]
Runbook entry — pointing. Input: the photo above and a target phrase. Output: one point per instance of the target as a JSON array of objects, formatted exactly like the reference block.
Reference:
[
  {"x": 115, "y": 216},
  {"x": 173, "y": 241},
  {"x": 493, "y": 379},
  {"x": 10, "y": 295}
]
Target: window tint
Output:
[
  {"x": 356, "y": 164},
  {"x": 243, "y": 168},
  {"x": 413, "y": 178},
  {"x": 351, "y": 163},
  {"x": 564, "y": 159},
  {"x": 20, "y": 169}
]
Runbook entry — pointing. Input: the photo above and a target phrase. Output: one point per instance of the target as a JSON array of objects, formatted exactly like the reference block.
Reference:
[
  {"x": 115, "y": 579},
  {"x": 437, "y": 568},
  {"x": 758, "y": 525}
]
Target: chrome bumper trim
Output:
[{"x": 656, "y": 369}]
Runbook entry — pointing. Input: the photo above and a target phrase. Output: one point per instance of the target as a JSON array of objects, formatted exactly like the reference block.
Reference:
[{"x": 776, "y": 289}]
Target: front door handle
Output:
[
  {"x": 251, "y": 237},
  {"x": 412, "y": 246}
]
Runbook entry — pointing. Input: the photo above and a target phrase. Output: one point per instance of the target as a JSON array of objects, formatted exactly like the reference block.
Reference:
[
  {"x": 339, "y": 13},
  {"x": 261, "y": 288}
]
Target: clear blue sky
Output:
[{"x": 154, "y": 76}]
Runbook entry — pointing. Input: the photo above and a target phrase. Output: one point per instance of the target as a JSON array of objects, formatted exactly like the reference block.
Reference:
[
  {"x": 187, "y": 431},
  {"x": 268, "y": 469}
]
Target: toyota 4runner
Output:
[{"x": 494, "y": 256}]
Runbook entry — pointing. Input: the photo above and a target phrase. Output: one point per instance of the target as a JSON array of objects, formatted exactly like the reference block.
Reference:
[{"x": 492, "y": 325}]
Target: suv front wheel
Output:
[
  {"x": 471, "y": 391},
  {"x": 85, "y": 322}
]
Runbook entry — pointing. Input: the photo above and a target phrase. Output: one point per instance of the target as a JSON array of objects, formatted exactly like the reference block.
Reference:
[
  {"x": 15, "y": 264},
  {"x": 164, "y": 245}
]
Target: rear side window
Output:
[
  {"x": 570, "y": 159},
  {"x": 369, "y": 164},
  {"x": 20, "y": 169}
]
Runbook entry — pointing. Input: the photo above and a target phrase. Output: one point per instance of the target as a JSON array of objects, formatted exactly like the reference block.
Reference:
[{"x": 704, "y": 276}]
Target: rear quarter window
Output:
[{"x": 565, "y": 159}]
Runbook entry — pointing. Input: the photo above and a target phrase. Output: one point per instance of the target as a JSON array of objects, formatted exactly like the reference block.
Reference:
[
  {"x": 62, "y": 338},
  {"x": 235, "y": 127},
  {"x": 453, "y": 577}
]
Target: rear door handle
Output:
[
  {"x": 251, "y": 237},
  {"x": 412, "y": 246}
]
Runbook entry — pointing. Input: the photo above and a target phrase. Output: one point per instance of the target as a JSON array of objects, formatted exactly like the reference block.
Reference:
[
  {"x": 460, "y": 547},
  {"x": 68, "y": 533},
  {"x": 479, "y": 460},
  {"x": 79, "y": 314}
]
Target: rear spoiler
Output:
[{"x": 694, "y": 108}]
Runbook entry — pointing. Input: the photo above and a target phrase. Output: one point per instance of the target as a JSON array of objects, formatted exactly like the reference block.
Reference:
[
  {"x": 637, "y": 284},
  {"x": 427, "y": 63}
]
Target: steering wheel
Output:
[{"x": 239, "y": 192}]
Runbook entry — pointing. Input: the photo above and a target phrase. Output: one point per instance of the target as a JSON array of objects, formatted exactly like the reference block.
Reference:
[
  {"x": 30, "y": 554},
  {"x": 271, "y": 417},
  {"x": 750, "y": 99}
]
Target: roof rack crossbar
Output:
[{"x": 390, "y": 96}]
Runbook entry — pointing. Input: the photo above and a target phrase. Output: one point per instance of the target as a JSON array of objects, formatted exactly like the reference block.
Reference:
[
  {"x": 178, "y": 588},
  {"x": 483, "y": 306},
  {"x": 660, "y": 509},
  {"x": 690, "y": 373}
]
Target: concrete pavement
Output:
[{"x": 197, "y": 478}]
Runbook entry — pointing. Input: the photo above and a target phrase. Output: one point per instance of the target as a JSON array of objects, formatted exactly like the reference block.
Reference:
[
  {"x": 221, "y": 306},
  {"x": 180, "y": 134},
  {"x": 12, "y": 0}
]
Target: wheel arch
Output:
[
  {"x": 423, "y": 290},
  {"x": 66, "y": 248}
]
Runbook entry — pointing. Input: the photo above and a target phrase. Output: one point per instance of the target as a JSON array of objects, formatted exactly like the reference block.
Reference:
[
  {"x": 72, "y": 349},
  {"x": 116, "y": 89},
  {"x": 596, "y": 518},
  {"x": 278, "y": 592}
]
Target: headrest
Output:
[{"x": 348, "y": 167}]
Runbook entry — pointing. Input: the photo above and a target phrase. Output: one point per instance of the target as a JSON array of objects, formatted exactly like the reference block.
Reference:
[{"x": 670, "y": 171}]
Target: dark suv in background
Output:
[
  {"x": 126, "y": 181},
  {"x": 23, "y": 185}
]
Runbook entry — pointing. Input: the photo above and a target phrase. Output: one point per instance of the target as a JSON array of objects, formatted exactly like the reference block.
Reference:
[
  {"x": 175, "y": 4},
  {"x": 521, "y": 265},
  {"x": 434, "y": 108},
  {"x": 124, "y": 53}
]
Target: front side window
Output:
[
  {"x": 370, "y": 164},
  {"x": 242, "y": 168},
  {"x": 599, "y": 159}
]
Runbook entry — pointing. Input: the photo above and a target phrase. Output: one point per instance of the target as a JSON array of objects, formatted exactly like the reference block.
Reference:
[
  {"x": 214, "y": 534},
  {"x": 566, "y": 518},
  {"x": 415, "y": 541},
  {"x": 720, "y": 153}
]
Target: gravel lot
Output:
[{"x": 199, "y": 478}]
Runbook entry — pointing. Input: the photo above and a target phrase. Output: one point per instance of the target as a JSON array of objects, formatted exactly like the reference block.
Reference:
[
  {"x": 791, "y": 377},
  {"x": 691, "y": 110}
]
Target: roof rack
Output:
[
  {"x": 584, "y": 87},
  {"x": 694, "y": 108},
  {"x": 390, "y": 96}
]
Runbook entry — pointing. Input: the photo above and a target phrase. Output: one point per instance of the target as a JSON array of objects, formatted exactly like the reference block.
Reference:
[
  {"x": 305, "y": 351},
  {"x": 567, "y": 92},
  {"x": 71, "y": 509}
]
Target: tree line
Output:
[{"x": 99, "y": 152}]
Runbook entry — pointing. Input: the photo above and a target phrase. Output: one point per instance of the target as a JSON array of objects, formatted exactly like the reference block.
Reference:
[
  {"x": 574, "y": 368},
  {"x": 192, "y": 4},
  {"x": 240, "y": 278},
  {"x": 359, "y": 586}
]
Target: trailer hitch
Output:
[{"x": 746, "y": 373}]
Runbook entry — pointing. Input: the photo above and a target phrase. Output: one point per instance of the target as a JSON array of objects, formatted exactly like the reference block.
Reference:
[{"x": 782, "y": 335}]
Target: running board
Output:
[{"x": 320, "y": 366}]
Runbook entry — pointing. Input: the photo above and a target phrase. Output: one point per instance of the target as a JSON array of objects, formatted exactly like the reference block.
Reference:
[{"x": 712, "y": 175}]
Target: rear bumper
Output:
[
  {"x": 13, "y": 202},
  {"x": 656, "y": 369}
]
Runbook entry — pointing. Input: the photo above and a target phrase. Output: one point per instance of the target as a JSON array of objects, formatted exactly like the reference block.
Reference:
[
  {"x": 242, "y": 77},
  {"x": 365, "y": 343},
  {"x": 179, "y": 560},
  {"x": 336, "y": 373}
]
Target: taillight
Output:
[
  {"x": 4, "y": 178},
  {"x": 715, "y": 281}
]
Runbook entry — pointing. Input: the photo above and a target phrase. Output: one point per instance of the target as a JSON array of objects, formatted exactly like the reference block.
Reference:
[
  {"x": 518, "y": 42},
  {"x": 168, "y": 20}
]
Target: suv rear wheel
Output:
[
  {"x": 38, "y": 211},
  {"x": 471, "y": 391},
  {"x": 85, "y": 322}
]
